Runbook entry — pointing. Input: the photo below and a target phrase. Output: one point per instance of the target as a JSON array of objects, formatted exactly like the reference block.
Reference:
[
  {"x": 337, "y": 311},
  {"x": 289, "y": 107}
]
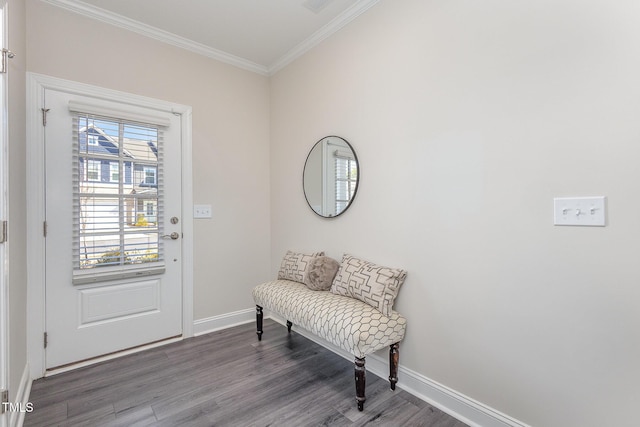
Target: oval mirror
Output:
[{"x": 330, "y": 178}]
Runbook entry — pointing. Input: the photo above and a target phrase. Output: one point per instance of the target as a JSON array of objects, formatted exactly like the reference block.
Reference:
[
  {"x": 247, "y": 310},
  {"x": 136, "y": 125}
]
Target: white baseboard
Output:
[
  {"x": 450, "y": 401},
  {"x": 16, "y": 419},
  {"x": 447, "y": 400},
  {"x": 223, "y": 321}
]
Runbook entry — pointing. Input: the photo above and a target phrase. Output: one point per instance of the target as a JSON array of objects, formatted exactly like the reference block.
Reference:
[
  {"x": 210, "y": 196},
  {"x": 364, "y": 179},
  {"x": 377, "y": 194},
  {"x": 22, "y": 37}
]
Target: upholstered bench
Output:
[{"x": 349, "y": 323}]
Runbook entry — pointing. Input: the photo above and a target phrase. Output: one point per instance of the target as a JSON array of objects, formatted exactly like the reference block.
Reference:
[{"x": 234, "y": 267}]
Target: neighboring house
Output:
[{"x": 101, "y": 164}]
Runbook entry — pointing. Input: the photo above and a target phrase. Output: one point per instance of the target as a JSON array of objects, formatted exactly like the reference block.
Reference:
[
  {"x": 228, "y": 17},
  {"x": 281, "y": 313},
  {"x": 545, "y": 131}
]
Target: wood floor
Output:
[{"x": 227, "y": 378}]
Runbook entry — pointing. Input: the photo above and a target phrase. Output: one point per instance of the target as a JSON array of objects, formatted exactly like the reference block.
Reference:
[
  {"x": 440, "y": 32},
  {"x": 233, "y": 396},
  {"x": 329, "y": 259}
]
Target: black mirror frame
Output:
[{"x": 355, "y": 191}]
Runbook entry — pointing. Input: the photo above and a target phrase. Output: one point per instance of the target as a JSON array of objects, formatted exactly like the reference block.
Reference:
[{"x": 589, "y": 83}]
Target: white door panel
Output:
[{"x": 93, "y": 307}]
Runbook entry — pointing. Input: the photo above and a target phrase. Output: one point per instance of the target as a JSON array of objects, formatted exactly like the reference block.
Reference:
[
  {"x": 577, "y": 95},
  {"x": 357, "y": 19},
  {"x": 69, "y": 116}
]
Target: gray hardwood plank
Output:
[
  {"x": 377, "y": 391},
  {"x": 170, "y": 405},
  {"x": 432, "y": 417},
  {"x": 226, "y": 378},
  {"x": 140, "y": 416},
  {"x": 314, "y": 405},
  {"x": 95, "y": 381},
  {"x": 95, "y": 417},
  {"x": 395, "y": 411},
  {"x": 53, "y": 413},
  {"x": 202, "y": 415}
]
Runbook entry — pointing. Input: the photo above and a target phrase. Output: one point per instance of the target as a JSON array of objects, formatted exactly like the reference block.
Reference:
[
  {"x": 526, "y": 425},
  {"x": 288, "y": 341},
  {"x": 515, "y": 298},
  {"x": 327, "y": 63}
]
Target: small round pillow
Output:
[{"x": 320, "y": 273}]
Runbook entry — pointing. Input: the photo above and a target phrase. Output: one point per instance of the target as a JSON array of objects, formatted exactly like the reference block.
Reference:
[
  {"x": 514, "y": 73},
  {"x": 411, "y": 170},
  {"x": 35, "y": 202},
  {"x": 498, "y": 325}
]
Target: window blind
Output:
[
  {"x": 346, "y": 175},
  {"x": 125, "y": 112},
  {"x": 118, "y": 193}
]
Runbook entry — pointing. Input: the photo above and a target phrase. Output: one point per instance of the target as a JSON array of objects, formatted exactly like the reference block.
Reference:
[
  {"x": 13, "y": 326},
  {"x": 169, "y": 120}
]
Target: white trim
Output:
[
  {"x": 223, "y": 321},
  {"x": 111, "y": 18},
  {"x": 456, "y": 404},
  {"x": 36, "y": 85},
  {"x": 132, "y": 113},
  {"x": 4, "y": 212},
  {"x": 35, "y": 243},
  {"x": 316, "y": 38},
  {"x": 187, "y": 224},
  {"x": 22, "y": 397},
  {"x": 323, "y": 33}
]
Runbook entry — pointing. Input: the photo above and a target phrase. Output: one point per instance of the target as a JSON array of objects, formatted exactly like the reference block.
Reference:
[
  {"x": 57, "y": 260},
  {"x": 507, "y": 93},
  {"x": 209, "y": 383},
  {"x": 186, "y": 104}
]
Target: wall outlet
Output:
[{"x": 202, "y": 211}]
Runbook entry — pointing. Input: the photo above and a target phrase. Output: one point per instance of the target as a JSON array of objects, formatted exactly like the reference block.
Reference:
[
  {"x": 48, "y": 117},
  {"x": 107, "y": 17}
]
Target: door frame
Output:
[
  {"x": 4, "y": 215},
  {"x": 36, "y": 86}
]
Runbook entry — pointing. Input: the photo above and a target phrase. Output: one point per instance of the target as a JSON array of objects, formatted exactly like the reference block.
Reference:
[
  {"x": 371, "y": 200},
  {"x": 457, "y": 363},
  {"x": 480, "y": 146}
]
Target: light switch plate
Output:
[
  {"x": 202, "y": 211},
  {"x": 581, "y": 211}
]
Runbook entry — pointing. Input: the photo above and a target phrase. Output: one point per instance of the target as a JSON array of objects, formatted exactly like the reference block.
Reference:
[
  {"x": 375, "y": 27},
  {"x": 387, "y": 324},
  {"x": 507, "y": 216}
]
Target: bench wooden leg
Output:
[
  {"x": 360, "y": 383},
  {"x": 393, "y": 364},
  {"x": 289, "y": 325},
  {"x": 259, "y": 322}
]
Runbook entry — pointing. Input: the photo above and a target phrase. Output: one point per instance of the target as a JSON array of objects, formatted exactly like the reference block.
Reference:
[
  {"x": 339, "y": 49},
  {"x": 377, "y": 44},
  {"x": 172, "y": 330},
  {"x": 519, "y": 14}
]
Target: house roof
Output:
[{"x": 108, "y": 145}]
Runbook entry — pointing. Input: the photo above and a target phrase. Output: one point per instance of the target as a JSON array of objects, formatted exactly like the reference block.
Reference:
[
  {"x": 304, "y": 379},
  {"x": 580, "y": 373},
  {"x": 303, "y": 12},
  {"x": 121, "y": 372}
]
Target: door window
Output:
[{"x": 116, "y": 193}]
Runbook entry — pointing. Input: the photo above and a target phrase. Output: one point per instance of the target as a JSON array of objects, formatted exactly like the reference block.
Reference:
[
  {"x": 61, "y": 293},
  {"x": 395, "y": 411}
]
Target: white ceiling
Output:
[{"x": 259, "y": 35}]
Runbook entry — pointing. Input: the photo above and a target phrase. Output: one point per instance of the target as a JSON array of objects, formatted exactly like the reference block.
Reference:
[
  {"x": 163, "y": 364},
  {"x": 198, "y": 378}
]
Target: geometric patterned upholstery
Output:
[
  {"x": 350, "y": 324},
  {"x": 376, "y": 285},
  {"x": 294, "y": 265}
]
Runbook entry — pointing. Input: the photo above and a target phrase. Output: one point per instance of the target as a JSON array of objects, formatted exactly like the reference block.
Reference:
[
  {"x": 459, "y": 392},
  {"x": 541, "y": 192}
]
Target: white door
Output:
[{"x": 113, "y": 227}]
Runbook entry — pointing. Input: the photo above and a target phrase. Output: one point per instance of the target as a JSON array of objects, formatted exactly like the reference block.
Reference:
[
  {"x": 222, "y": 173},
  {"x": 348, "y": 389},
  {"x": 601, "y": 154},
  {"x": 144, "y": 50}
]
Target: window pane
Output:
[
  {"x": 100, "y": 250},
  {"x": 99, "y": 214},
  {"x": 346, "y": 175},
  {"x": 149, "y": 176},
  {"x": 93, "y": 170},
  {"x": 114, "y": 171},
  {"x": 116, "y": 213}
]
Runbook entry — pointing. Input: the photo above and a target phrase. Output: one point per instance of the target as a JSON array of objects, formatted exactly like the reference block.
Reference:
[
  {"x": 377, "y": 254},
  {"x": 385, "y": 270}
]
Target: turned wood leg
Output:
[
  {"x": 360, "y": 383},
  {"x": 289, "y": 325},
  {"x": 259, "y": 322},
  {"x": 393, "y": 365}
]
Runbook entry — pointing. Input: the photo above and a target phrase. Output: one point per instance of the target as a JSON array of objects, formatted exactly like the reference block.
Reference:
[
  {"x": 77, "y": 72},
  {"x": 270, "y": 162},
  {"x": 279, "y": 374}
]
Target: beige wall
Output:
[
  {"x": 17, "y": 199},
  {"x": 468, "y": 118},
  {"x": 230, "y": 137}
]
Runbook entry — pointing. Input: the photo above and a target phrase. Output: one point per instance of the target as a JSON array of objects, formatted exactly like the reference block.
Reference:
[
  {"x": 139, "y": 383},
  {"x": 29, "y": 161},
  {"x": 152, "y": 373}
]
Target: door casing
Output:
[
  {"x": 36, "y": 85},
  {"x": 4, "y": 212}
]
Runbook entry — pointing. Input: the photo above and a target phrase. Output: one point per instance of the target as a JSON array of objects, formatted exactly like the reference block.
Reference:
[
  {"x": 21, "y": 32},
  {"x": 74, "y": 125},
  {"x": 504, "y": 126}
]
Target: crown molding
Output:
[
  {"x": 111, "y": 18},
  {"x": 316, "y": 38},
  {"x": 323, "y": 33}
]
